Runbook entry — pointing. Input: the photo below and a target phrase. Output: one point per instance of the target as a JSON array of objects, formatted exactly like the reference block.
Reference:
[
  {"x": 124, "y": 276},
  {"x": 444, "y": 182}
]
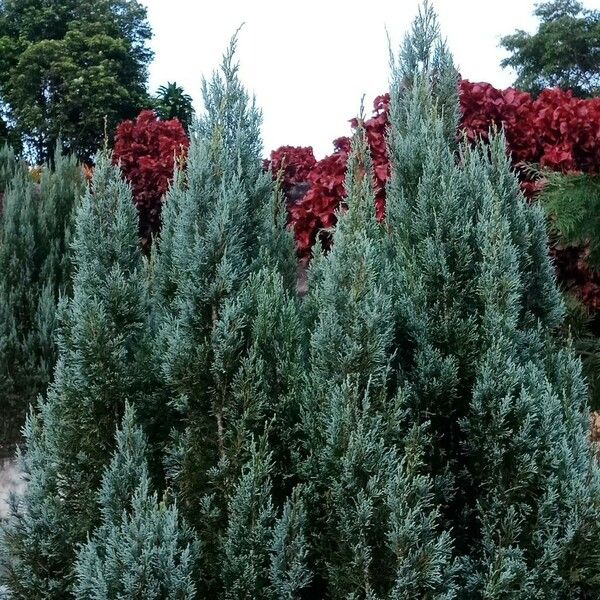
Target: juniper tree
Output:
[
  {"x": 264, "y": 557},
  {"x": 376, "y": 531},
  {"x": 8, "y": 165},
  {"x": 60, "y": 190},
  {"x": 35, "y": 269},
  {"x": 504, "y": 404},
  {"x": 141, "y": 548},
  {"x": 229, "y": 334},
  {"x": 101, "y": 364},
  {"x": 61, "y": 187},
  {"x": 19, "y": 263}
]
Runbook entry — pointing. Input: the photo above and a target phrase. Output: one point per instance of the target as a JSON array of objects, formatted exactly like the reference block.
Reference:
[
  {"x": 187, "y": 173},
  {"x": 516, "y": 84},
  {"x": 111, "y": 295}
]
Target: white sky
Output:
[{"x": 310, "y": 61}]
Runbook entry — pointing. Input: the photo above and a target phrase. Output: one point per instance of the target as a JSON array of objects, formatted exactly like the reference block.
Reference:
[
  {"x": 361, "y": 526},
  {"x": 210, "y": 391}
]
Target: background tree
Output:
[
  {"x": 35, "y": 269},
  {"x": 172, "y": 102},
  {"x": 564, "y": 52},
  {"x": 66, "y": 65}
]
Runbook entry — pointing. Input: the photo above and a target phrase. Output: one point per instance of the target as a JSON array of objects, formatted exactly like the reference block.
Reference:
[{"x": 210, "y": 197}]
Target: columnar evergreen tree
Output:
[
  {"x": 141, "y": 549},
  {"x": 8, "y": 165},
  {"x": 19, "y": 261},
  {"x": 101, "y": 364},
  {"x": 35, "y": 229},
  {"x": 60, "y": 190},
  {"x": 230, "y": 334},
  {"x": 505, "y": 406},
  {"x": 376, "y": 530}
]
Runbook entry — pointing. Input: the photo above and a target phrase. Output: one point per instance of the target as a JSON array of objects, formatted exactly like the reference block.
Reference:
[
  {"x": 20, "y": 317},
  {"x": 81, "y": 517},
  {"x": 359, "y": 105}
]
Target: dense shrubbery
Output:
[
  {"x": 556, "y": 131},
  {"x": 411, "y": 428}
]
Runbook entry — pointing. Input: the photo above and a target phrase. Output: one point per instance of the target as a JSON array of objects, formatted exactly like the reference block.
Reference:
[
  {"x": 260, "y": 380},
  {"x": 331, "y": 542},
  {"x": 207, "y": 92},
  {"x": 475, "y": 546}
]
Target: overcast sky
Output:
[{"x": 310, "y": 61}]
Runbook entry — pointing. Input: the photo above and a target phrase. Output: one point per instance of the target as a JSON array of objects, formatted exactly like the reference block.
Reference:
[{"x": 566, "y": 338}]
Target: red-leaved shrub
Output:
[{"x": 146, "y": 149}]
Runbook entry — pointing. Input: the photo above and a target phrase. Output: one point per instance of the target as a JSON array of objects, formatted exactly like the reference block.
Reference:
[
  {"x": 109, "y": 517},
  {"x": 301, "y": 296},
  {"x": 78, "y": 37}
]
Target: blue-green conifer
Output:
[
  {"x": 101, "y": 364},
  {"x": 504, "y": 404},
  {"x": 35, "y": 269},
  {"x": 229, "y": 330},
  {"x": 141, "y": 548}
]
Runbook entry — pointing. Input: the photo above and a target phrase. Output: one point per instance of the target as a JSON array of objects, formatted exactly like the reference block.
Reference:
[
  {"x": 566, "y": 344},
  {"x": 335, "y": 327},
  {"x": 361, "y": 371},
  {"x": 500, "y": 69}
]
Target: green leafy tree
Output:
[
  {"x": 101, "y": 363},
  {"x": 172, "y": 102},
  {"x": 69, "y": 65},
  {"x": 141, "y": 549},
  {"x": 564, "y": 52}
]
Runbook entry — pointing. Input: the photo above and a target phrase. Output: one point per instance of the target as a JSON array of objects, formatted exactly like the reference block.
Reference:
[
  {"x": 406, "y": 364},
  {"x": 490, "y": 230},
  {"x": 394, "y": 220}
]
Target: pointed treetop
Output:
[{"x": 232, "y": 121}]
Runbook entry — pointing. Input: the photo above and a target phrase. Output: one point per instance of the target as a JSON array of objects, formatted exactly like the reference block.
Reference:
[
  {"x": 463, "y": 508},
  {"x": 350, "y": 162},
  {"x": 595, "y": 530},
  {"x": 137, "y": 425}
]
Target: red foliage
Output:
[
  {"x": 556, "y": 131},
  {"x": 294, "y": 162},
  {"x": 314, "y": 214},
  {"x": 484, "y": 107},
  {"x": 146, "y": 150}
]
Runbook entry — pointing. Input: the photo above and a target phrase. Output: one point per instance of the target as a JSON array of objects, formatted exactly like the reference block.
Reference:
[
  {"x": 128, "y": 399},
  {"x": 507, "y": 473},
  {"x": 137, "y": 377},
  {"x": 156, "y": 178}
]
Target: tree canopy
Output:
[
  {"x": 172, "y": 102},
  {"x": 67, "y": 66},
  {"x": 564, "y": 52}
]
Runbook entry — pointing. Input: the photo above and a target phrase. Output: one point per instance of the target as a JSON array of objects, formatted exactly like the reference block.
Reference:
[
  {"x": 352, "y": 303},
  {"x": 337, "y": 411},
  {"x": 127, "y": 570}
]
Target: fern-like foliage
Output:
[{"x": 573, "y": 201}]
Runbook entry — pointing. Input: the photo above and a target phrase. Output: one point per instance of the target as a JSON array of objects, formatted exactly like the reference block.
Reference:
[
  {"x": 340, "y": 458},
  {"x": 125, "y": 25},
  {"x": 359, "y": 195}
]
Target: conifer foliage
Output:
[
  {"x": 35, "y": 269},
  {"x": 139, "y": 550},
  {"x": 410, "y": 428},
  {"x": 100, "y": 366},
  {"x": 229, "y": 340}
]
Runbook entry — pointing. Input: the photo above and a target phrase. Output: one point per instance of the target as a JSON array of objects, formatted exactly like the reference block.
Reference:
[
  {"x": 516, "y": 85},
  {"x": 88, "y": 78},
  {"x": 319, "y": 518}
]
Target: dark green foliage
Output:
[
  {"x": 172, "y": 102},
  {"x": 8, "y": 135},
  {"x": 141, "y": 549},
  {"x": 35, "y": 268},
  {"x": 8, "y": 165},
  {"x": 573, "y": 204},
  {"x": 581, "y": 329},
  {"x": 101, "y": 364},
  {"x": 21, "y": 377},
  {"x": 573, "y": 201},
  {"x": 67, "y": 65},
  {"x": 564, "y": 52}
]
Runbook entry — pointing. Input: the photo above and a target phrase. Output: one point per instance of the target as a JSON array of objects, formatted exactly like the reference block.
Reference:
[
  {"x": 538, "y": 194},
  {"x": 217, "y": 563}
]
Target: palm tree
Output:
[{"x": 172, "y": 102}]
